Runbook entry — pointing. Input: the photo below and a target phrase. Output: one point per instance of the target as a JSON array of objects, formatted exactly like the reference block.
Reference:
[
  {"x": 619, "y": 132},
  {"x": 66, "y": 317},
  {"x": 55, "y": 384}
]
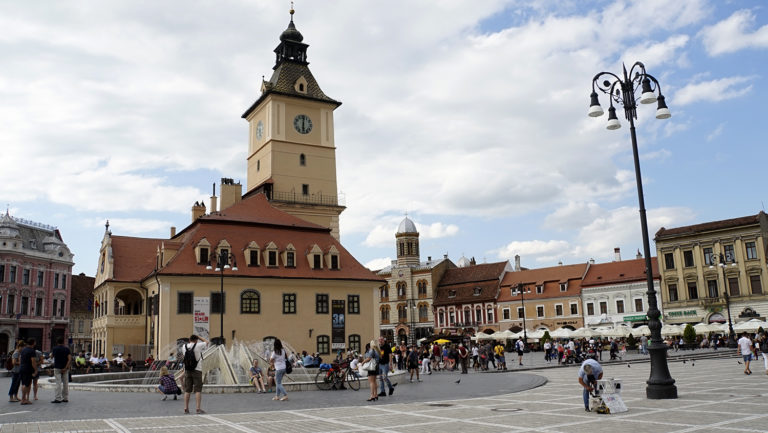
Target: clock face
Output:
[
  {"x": 259, "y": 130},
  {"x": 302, "y": 123}
]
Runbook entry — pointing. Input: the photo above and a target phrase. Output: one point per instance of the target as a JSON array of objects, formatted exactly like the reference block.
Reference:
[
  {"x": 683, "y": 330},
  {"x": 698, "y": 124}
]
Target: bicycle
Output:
[{"x": 336, "y": 377}]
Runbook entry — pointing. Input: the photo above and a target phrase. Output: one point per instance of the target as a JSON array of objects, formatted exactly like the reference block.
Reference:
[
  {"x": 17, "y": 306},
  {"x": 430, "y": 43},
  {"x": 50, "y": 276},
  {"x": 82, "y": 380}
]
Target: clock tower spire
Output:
[{"x": 292, "y": 151}]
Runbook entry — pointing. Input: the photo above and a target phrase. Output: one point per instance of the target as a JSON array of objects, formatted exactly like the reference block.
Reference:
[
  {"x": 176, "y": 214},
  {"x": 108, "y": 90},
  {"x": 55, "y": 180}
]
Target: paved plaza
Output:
[{"x": 714, "y": 396}]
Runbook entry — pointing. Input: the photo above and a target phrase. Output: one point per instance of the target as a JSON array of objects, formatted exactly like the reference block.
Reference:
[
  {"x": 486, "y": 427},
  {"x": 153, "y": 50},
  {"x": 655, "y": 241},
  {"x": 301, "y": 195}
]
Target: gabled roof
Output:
[
  {"x": 133, "y": 258},
  {"x": 624, "y": 271},
  {"x": 470, "y": 274},
  {"x": 550, "y": 278},
  {"x": 256, "y": 209},
  {"x": 710, "y": 226},
  {"x": 459, "y": 285}
]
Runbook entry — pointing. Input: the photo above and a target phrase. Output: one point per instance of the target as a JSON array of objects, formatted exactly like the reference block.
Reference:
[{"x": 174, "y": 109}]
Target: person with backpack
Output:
[{"x": 193, "y": 371}]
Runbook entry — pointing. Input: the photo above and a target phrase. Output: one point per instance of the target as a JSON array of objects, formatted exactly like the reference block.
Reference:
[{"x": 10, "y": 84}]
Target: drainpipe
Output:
[{"x": 157, "y": 327}]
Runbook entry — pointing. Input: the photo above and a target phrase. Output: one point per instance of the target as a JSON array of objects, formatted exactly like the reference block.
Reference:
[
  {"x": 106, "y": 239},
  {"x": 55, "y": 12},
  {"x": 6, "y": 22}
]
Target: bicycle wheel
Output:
[
  {"x": 324, "y": 380},
  {"x": 352, "y": 380}
]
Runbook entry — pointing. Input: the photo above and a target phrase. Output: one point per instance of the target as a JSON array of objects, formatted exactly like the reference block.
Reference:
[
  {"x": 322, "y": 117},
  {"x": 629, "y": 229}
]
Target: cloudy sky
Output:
[{"x": 469, "y": 116}]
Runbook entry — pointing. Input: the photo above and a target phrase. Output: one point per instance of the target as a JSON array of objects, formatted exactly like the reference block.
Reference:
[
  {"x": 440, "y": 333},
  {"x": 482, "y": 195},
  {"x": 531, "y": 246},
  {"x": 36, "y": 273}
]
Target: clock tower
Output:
[{"x": 291, "y": 152}]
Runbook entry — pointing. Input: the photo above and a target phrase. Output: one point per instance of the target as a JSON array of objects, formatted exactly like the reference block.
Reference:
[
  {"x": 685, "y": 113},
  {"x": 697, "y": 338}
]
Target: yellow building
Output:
[
  {"x": 294, "y": 280},
  {"x": 696, "y": 262}
]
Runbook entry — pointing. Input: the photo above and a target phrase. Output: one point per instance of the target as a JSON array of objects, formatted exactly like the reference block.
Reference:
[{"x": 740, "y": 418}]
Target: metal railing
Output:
[{"x": 292, "y": 197}]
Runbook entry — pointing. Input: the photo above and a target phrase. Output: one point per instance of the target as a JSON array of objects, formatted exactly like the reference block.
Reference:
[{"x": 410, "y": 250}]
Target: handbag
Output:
[
  {"x": 370, "y": 365},
  {"x": 288, "y": 364}
]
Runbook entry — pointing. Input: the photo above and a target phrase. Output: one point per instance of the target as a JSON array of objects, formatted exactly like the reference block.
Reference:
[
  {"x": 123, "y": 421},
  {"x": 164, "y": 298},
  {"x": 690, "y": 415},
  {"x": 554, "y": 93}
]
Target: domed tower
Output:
[{"x": 407, "y": 239}]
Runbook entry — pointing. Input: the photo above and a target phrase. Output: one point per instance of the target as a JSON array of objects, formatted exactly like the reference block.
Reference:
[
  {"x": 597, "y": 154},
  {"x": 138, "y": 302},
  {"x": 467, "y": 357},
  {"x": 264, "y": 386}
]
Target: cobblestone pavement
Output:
[{"x": 714, "y": 396}]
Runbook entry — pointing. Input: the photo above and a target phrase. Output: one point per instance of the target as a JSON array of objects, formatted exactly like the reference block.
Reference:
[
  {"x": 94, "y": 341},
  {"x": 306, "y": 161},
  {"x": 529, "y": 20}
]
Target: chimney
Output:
[
  {"x": 617, "y": 254},
  {"x": 198, "y": 210},
  {"x": 517, "y": 262},
  {"x": 560, "y": 263},
  {"x": 639, "y": 254},
  {"x": 231, "y": 192},
  {"x": 429, "y": 258},
  {"x": 173, "y": 232},
  {"x": 213, "y": 199},
  {"x": 445, "y": 256},
  {"x": 591, "y": 261}
]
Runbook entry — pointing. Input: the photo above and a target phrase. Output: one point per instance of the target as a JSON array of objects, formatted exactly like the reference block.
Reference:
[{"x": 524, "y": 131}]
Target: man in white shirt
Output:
[
  {"x": 193, "y": 378},
  {"x": 745, "y": 348},
  {"x": 547, "y": 351},
  {"x": 118, "y": 361}
]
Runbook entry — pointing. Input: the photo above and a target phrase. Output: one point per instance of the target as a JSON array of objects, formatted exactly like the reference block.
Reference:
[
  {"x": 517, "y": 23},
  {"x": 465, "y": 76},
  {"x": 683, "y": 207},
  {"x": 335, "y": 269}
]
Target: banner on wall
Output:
[
  {"x": 338, "y": 336},
  {"x": 201, "y": 326}
]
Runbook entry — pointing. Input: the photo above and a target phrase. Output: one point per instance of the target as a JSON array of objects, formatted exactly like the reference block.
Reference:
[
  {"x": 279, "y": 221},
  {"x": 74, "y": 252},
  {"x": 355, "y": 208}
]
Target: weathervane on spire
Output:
[
  {"x": 292, "y": 11},
  {"x": 106, "y": 226}
]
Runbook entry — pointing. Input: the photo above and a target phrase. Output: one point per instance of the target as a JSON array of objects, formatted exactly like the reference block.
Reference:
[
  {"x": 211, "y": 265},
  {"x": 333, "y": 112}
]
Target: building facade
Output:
[
  {"x": 81, "y": 313},
  {"x": 699, "y": 263},
  {"x": 35, "y": 272},
  {"x": 544, "y": 298},
  {"x": 615, "y": 293},
  {"x": 465, "y": 299},
  {"x": 405, "y": 301}
]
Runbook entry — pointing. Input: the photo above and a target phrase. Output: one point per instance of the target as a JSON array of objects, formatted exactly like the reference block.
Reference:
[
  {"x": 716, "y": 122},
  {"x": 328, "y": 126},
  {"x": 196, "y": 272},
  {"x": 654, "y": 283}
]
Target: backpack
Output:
[
  {"x": 9, "y": 363},
  {"x": 288, "y": 363},
  {"x": 764, "y": 345},
  {"x": 190, "y": 362}
]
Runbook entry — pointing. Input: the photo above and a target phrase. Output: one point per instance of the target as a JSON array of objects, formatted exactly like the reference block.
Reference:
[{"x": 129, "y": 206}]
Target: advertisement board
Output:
[
  {"x": 201, "y": 325},
  {"x": 338, "y": 335}
]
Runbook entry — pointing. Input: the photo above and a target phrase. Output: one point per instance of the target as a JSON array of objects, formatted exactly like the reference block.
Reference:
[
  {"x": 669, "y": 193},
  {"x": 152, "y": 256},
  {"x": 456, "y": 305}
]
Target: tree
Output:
[
  {"x": 689, "y": 335},
  {"x": 631, "y": 342},
  {"x": 546, "y": 337}
]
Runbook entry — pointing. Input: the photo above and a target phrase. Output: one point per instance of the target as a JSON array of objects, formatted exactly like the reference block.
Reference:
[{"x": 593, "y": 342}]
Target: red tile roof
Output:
[
  {"x": 82, "y": 292},
  {"x": 458, "y": 284},
  {"x": 623, "y": 271},
  {"x": 709, "y": 226},
  {"x": 550, "y": 278},
  {"x": 134, "y": 258},
  {"x": 481, "y": 272}
]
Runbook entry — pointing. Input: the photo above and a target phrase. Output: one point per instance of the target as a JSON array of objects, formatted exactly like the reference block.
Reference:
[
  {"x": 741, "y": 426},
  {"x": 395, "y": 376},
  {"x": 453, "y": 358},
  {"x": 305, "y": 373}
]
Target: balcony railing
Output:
[{"x": 292, "y": 197}]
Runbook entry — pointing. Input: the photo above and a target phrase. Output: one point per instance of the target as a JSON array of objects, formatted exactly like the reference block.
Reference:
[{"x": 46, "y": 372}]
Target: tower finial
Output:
[
  {"x": 292, "y": 11},
  {"x": 106, "y": 226}
]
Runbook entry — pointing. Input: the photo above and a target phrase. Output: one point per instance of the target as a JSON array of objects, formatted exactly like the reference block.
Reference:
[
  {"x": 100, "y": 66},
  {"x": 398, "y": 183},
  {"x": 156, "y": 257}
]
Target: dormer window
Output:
[
  {"x": 315, "y": 257},
  {"x": 202, "y": 252},
  {"x": 252, "y": 254},
  {"x": 317, "y": 261},
  {"x": 301, "y": 85},
  {"x": 451, "y": 293},
  {"x": 272, "y": 258},
  {"x": 563, "y": 287},
  {"x": 289, "y": 256},
  {"x": 477, "y": 291},
  {"x": 540, "y": 289},
  {"x": 332, "y": 258}
]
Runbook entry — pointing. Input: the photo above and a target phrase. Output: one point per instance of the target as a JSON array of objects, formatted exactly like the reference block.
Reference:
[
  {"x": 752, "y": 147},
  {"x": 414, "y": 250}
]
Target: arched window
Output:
[
  {"x": 384, "y": 291},
  {"x": 423, "y": 313},
  {"x": 489, "y": 314},
  {"x": 478, "y": 315},
  {"x": 401, "y": 286},
  {"x": 467, "y": 316},
  {"x": 302, "y": 160},
  {"x": 250, "y": 302},
  {"x": 385, "y": 314},
  {"x": 402, "y": 313},
  {"x": 323, "y": 344},
  {"x": 422, "y": 285},
  {"x": 354, "y": 343},
  {"x": 441, "y": 318}
]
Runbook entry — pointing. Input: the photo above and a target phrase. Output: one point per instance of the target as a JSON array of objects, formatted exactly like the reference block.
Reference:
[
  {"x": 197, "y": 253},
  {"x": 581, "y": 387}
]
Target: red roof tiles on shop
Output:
[
  {"x": 550, "y": 278},
  {"x": 618, "y": 272}
]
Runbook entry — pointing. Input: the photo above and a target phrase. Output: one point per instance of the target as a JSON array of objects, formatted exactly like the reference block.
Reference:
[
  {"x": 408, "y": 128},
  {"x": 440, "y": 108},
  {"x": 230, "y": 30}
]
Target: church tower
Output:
[
  {"x": 407, "y": 239},
  {"x": 292, "y": 153}
]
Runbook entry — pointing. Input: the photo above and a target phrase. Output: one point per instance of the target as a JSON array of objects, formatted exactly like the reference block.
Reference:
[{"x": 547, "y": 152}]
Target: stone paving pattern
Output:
[{"x": 714, "y": 396}]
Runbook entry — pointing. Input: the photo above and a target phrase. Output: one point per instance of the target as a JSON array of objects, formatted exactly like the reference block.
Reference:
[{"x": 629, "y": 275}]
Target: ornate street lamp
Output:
[
  {"x": 223, "y": 259},
  {"x": 622, "y": 91},
  {"x": 721, "y": 263}
]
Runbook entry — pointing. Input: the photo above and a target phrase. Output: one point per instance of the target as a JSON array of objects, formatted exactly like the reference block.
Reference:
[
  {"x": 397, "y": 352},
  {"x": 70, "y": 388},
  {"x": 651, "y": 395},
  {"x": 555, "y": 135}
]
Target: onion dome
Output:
[{"x": 406, "y": 226}]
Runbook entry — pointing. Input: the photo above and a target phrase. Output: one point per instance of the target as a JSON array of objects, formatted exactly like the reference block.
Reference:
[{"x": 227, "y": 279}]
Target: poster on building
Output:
[
  {"x": 338, "y": 336},
  {"x": 201, "y": 325}
]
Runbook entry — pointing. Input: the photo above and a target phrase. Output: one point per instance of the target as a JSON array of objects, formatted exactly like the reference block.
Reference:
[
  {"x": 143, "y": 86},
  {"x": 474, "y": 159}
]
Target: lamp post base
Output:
[
  {"x": 660, "y": 384},
  {"x": 218, "y": 341}
]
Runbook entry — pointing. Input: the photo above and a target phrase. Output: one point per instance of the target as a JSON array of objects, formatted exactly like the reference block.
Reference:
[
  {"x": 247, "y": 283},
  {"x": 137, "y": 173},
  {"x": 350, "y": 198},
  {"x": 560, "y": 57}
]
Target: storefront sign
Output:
[
  {"x": 567, "y": 322},
  {"x": 338, "y": 336},
  {"x": 201, "y": 325},
  {"x": 639, "y": 318},
  {"x": 682, "y": 313}
]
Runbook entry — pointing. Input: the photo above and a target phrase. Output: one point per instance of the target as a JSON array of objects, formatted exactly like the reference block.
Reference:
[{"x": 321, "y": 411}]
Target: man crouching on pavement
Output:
[{"x": 589, "y": 373}]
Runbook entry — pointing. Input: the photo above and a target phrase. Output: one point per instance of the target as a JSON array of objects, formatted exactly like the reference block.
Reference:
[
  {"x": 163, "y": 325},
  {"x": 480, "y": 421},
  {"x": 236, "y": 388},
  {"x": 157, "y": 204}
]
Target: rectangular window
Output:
[
  {"x": 289, "y": 303},
  {"x": 520, "y": 312},
  {"x": 712, "y": 289},
  {"x": 563, "y": 287},
  {"x": 39, "y": 278},
  {"x": 590, "y": 309},
  {"x": 254, "y": 255},
  {"x": 204, "y": 260},
  {"x": 63, "y": 281},
  {"x": 539, "y": 311},
  {"x": 707, "y": 256},
  {"x": 603, "y": 307},
  {"x": 754, "y": 283},
  {"x": 321, "y": 304},
  {"x": 272, "y": 258},
  {"x": 323, "y": 345},
  {"x": 729, "y": 255},
  {"x": 61, "y": 308},
  {"x": 688, "y": 258},
  {"x": 620, "y": 306},
  {"x": 218, "y": 303},
  {"x": 669, "y": 261},
  {"x": 558, "y": 310},
  {"x": 316, "y": 261},
  {"x": 574, "y": 309},
  {"x": 304, "y": 189},
  {"x": 672, "y": 292},
  {"x": 55, "y": 306},
  {"x": 80, "y": 326},
  {"x": 25, "y": 277},
  {"x": 12, "y": 277},
  {"x": 334, "y": 262},
  {"x": 24, "y": 305},
  {"x": 505, "y": 313},
  {"x": 639, "y": 304},
  {"x": 354, "y": 343},
  {"x": 2, "y": 273},
  {"x": 539, "y": 289},
  {"x": 353, "y": 304},
  {"x": 184, "y": 302},
  {"x": 733, "y": 286},
  {"x": 56, "y": 281},
  {"x": 751, "y": 250},
  {"x": 39, "y": 307},
  {"x": 693, "y": 291},
  {"x": 290, "y": 259}
]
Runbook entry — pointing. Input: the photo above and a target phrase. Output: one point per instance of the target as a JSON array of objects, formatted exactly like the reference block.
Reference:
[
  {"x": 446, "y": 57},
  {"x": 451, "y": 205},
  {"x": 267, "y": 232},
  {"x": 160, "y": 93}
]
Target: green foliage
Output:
[
  {"x": 631, "y": 342},
  {"x": 689, "y": 334},
  {"x": 546, "y": 337}
]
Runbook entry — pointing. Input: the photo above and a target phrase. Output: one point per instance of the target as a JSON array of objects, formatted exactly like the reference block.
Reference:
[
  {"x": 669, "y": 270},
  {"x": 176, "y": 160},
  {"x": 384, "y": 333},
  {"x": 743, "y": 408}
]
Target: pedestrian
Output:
[
  {"x": 371, "y": 364},
  {"x": 475, "y": 357},
  {"x": 167, "y": 384},
  {"x": 193, "y": 371},
  {"x": 762, "y": 343},
  {"x": 13, "y": 392},
  {"x": 62, "y": 362},
  {"x": 424, "y": 357},
  {"x": 590, "y": 372},
  {"x": 413, "y": 363},
  {"x": 257, "y": 377},
  {"x": 28, "y": 369},
  {"x": 745, "y": 349},
  {"x": 463, "y": 358},
  {"x": 520, "y": 346},
  {"x": 278, "y": 359},
  {"x": 384, "y": 367},
  {"x": 36, "y": 378},
  {"x": 547, "y": 349}
]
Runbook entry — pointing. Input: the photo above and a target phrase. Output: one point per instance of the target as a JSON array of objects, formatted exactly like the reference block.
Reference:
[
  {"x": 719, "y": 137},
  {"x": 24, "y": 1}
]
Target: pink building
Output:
[{"x": 35, "y": 283}]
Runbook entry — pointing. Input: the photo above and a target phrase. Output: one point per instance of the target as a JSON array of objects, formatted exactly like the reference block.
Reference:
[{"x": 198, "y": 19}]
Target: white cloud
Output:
[
  {"x": 382, "y": 235},
  {"x": 533, "y": 248},
  {"x": 132, "y": 226},
  {"x": 713, "y": 90},
  {"x": 716, "y": 132},
  {"x": 379, "y": 263},
  {"x": 733, "y": 34},
  {"x": 657, "y": 53}
]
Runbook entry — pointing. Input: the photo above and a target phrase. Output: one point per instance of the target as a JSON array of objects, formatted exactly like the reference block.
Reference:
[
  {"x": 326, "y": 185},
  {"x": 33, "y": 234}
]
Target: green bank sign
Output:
[{"x": 640, "y": 318}]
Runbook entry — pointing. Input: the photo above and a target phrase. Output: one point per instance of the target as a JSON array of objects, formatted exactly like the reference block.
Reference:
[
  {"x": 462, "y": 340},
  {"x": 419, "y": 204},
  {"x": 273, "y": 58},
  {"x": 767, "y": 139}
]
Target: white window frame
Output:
[
  {"x": 562, "y": 310},
  {"x": 543, "y": 311},
  {"x": 570, "y": 307}
]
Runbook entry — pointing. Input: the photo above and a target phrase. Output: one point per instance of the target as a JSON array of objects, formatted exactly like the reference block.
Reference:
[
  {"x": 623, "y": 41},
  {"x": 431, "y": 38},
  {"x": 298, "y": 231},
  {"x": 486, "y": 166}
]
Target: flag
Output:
[{"x": 97, "y": 303}]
